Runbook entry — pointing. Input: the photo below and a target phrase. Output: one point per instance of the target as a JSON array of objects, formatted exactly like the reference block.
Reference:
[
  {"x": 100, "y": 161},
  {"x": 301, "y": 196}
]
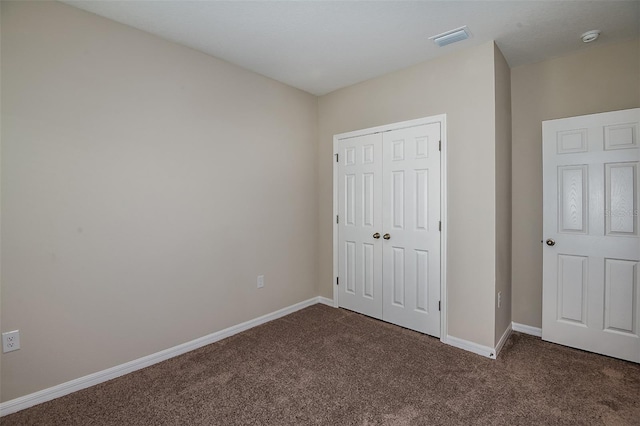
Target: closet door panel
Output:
[
  {"x": 411, "y": 217},
  {"x": 360, "y": 217}
]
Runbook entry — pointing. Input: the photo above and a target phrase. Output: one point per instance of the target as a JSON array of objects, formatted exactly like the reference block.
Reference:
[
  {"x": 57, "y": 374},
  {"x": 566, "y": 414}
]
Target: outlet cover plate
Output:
[
  {"x": 10, "y": 341},
  {"x": 260, "y": 281}
]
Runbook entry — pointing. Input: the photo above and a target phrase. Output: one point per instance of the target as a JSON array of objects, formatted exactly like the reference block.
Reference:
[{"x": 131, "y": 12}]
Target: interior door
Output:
[
  {"x": 360, "y": 224},
  {"x": 411, "y": 219},
  {"x": 591, "y": 291}
]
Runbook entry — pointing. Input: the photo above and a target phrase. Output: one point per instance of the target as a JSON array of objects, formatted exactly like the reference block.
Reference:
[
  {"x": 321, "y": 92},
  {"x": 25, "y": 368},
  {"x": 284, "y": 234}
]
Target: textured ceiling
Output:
[{"x": 321, "y": 46}]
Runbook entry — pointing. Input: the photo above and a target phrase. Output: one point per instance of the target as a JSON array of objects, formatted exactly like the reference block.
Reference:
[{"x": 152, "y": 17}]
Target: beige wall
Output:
[
  {"x": 144, "y": 187},
  {"x": 461, "y": 86},
  {"x": 601, "y": 78},
  {"x": 503, "y": 192}
]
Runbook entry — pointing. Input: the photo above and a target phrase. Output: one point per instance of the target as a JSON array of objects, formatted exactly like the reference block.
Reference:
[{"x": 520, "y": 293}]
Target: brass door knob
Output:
[
  {"x": 550, "y": 242},
  {"x": 376, "y": 235},
  {"x": 386, "y": 236}
]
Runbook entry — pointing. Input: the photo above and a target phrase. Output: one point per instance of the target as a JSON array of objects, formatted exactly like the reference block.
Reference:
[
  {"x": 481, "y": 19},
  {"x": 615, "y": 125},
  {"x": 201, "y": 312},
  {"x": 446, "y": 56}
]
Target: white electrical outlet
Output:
[
  {"x": 499, "y": 299},
  {"x": 260, "y": 281},
  {"x": 10, "y": 341}
]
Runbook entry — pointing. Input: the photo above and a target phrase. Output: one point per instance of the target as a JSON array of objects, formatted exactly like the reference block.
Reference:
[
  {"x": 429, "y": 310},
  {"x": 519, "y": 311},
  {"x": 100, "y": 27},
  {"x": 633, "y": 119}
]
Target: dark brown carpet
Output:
[{"x": 333, "y": 367}]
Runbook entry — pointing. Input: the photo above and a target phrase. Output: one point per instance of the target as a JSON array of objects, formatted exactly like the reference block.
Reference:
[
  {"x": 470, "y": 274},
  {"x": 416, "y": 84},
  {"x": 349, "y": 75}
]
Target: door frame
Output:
[{"x": 442, "y": 119}]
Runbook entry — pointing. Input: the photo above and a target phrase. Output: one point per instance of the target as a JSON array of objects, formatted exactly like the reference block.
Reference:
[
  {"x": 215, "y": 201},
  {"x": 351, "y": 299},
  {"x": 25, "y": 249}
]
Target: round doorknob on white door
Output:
[
  {"x": 551, "y": 242},
  {"x": 386, "y": 236},
  {"x": 376, "y": 235}
]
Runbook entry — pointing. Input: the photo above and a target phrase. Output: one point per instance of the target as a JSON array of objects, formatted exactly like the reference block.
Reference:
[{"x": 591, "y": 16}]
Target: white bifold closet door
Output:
[
  {"x": 360, "y": 217},
  {"x": 389, "y": 217}
]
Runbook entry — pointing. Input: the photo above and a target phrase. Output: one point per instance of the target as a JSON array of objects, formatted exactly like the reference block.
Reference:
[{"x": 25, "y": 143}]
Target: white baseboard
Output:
[
  {"x": 503, "y": 339},
  {"x": 476, "y": 348},
  {"x": 456, "y": 342},
  {"x": 326, "y": 301},
  {"x": 527, "y": 329},
  {"x": 66, "y": 388},
  {"x": 485, "y": 351}
]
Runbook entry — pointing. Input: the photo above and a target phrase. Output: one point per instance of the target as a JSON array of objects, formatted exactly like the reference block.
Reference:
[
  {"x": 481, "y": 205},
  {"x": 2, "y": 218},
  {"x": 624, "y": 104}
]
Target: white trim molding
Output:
[
  {"x": 66, "y": 388},
  {"x": 326, "y": 301},
  {"x": 476, "y": 348},
  {"x": 444, "y": 217},
  {"x": 503, "y": 339},
  {"x": 526, "y": 329}
]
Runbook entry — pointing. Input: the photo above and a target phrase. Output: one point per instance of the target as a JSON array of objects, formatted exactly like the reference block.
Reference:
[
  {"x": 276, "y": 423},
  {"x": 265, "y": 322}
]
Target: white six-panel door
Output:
[
  {"x": 411, "y": 216},
  {"x": 591, "y": 285},
  {"x": 388, "y": 196},
  {"x": 360, "y": 217}
]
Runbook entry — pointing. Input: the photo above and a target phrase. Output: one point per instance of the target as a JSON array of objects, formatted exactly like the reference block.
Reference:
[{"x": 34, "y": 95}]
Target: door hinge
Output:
[
  {"x": 337, "y": 158},
  {"x": 439, "y": 145},
  {"x": 439, "y": 305},
  {"x": 337, "y": 219},
  {"x": 337, "y": 280},
  {"x": 440, "y": 226}
]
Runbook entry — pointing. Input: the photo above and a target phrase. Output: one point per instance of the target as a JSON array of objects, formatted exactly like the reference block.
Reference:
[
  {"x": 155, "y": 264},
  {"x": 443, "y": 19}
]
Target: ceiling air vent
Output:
[{"x": 452, "y": 36}]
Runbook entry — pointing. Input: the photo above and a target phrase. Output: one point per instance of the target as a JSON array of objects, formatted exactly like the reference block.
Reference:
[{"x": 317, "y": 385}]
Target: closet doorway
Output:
[{"x": 389, "y": 231}]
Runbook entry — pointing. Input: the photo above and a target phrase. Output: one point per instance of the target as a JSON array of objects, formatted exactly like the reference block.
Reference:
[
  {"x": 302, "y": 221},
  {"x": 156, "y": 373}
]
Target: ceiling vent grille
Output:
[{"x": 452, "y": 36}]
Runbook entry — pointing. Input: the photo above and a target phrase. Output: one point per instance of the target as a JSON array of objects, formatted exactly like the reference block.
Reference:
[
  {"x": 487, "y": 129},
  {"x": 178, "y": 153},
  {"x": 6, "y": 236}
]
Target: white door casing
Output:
[
  {"x": 388, "y": 181},
  {"x": 591, "y": 284}
]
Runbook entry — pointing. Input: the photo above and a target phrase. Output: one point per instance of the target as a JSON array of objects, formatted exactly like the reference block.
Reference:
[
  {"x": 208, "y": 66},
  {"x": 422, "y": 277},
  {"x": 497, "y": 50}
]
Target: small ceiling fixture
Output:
[
  {"x": 451, "y": 36},
  {"x": 590, "y": 36}
]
